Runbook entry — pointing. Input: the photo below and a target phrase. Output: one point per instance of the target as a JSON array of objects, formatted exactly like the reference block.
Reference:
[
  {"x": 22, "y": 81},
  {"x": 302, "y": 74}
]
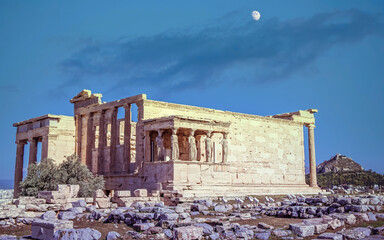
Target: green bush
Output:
[{"x": 45, "y": 176}]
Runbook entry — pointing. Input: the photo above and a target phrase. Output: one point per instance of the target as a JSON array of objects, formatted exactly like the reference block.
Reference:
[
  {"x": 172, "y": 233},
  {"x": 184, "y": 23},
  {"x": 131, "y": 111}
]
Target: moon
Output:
[{"x": 256, "y": 15}]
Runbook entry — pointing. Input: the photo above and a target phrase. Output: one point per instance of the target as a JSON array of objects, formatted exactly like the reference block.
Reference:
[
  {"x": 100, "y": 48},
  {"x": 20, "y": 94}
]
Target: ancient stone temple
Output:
[{"x": 195, "y": 151}]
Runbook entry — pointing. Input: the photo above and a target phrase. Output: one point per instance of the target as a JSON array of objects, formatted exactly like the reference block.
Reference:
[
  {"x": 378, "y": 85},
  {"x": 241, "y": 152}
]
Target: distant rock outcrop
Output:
[{"x": 338, "y": 163}]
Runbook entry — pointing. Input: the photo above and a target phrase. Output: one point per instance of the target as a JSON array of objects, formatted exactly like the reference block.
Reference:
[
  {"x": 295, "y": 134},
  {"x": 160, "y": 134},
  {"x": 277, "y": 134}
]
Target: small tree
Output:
[
  {"x": 45, "y": 176},
  {"x": 40, "y": 177}
]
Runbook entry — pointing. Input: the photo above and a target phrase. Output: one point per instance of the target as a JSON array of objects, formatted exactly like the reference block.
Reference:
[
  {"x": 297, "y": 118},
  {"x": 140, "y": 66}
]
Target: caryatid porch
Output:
[{"x": 178, "y": 138}]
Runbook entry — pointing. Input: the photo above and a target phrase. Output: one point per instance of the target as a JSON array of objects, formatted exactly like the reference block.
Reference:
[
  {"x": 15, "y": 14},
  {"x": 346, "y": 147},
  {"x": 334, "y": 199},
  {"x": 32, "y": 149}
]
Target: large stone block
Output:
[
  {"x": 103, "y": 202},
  {"x": 122, "y": 194},
  {"x": 302, "y": 230},
  {"x": 29, "y": 200},
  {"x": 188, "y": 233},
  {"x": 81, "y": 233},
  {"x": 53, "y": 196},
  {"x": 44, "y": 230},
  {"x": 140, "y": 193}
]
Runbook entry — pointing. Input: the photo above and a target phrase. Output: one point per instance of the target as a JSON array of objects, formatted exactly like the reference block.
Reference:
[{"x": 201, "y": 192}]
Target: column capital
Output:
[
  {"x": 127, "y": 105},
  {"x": 23, "y": 142},
  {"x": 310, "y": 125},
  {"x": 174, "y": 130}
]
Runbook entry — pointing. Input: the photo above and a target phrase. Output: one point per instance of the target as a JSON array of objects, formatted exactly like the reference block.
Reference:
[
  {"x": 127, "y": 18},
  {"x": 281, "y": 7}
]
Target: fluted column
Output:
[
  {"x": 90, "y": 141},
  {"x": 32, "y": 151},
  {"x": 102, "y": 143},
  {"x": 148, "y": 154},
  {"x": 312, "y": 156},
  {"x": 224, "y": 144},
  {"x": 78, "y": 124},
  {"x": 174, "y": 145},
  {"x": 192, "y": 146},
  {"x": 114, "y": 136},
  {"x": 18, "y": 168},
  {"x": 127, "y": 138},
  {"x": 44, "y": 148}
]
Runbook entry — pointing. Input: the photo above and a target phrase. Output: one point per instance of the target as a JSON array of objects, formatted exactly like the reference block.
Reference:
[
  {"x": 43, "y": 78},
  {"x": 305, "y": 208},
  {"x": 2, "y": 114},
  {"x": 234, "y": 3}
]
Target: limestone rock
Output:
[
  {"x": 347, "y": 218},
  {"x": 45, "y": 230},
  {"x": 74, "y": 234},
  {"x": 263, "y": 235},
  {"x": 48, "y": 216},
  {"x": 188, "y": 233},
  {"x": 281, "y": 233},
  {"x": 80, "y": 203},
  {"x": 67, "y": 215},
  {"x": 355, "y": 233},
  {"x": 264, "y": 226},
  {"x": 113, "y": 235},
  {"x": 140, "y": 227},
  {"x": 333, "y": 236},
  {"x": 302, "y": 230},
  {"x": 208, "y": 229},
  {"x": 122, "y": 194},
  {"x": 220, "y": 208},
  {"x": 140, "y": 193}
]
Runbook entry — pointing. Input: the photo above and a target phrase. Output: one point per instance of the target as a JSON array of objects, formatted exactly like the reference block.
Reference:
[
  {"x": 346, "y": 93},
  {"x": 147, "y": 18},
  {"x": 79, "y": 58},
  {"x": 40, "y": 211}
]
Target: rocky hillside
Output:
[{"x": 339, "y": 163}]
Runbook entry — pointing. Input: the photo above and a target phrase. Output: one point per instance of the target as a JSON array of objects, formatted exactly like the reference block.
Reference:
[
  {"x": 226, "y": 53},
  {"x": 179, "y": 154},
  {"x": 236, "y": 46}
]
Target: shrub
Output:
[
  {"x": 40, "y": 177},
  {"x": 45, "y": 176}
]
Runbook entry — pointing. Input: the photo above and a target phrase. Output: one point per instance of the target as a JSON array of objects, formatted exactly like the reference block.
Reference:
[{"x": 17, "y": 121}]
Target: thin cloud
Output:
[{"x": 232, "y": 49}]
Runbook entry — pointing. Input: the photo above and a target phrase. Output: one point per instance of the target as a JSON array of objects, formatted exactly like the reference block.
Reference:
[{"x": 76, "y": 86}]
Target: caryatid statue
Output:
[
  {"x": 208, "y": 146},
  {"x": 224, "y": 143},
  {"x": 160, "y": 146},
  {"x": 175, "y": 145},
  {"x": 192, "y": 146}
]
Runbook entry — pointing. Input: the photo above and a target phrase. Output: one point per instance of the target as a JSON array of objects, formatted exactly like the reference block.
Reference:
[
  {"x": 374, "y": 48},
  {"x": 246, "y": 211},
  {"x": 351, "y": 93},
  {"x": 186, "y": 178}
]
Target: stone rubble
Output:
[{"x": 182, "y": 218}]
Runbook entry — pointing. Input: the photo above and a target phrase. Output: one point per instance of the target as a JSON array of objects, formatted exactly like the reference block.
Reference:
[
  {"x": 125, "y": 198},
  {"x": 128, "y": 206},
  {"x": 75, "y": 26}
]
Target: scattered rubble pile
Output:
[{"x": 51, "y": 215}]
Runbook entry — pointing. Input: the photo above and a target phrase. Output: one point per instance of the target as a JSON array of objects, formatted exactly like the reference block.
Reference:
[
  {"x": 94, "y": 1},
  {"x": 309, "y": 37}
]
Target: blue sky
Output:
[{"x": 301, "y": 54}]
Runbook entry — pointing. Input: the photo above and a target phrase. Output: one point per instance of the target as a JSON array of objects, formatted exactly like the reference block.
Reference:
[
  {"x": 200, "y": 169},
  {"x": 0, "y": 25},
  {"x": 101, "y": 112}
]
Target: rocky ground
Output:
[{"x": 284, "y": 217}]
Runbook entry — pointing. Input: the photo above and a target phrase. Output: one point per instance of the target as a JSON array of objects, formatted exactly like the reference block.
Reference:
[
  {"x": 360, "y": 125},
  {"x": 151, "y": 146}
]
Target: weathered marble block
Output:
[
  {"x": 122, "y": 194},
  {"x": 44, "y": 230},
  {"x": 141, "y": 193}
]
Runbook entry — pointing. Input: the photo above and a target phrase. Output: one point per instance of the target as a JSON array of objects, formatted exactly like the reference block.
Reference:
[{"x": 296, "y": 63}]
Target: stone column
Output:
[
  {"x": 198, "y": 147},
  {"x": 127, "y": 138},
  {"x": 18, "y": 168},
  {"x": 147, "y": 148},
  {"x": 102, "y": 143},
  {"x": 208, "y": 146},
  {"x": 84, "y": 138},
  {"x": 78, "y": 124},
  {"x": 192, "y": 146},
  {"x": 90, "y": 141},
  {"x": 174, "y": 145},
  {"x": 32, "y": 150},
  {"x": 44, "y": 148},
  {"x": 224, "y": 144},
  {"x": 114, "y": 136},
  {"x": 312, "y": 155}
]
